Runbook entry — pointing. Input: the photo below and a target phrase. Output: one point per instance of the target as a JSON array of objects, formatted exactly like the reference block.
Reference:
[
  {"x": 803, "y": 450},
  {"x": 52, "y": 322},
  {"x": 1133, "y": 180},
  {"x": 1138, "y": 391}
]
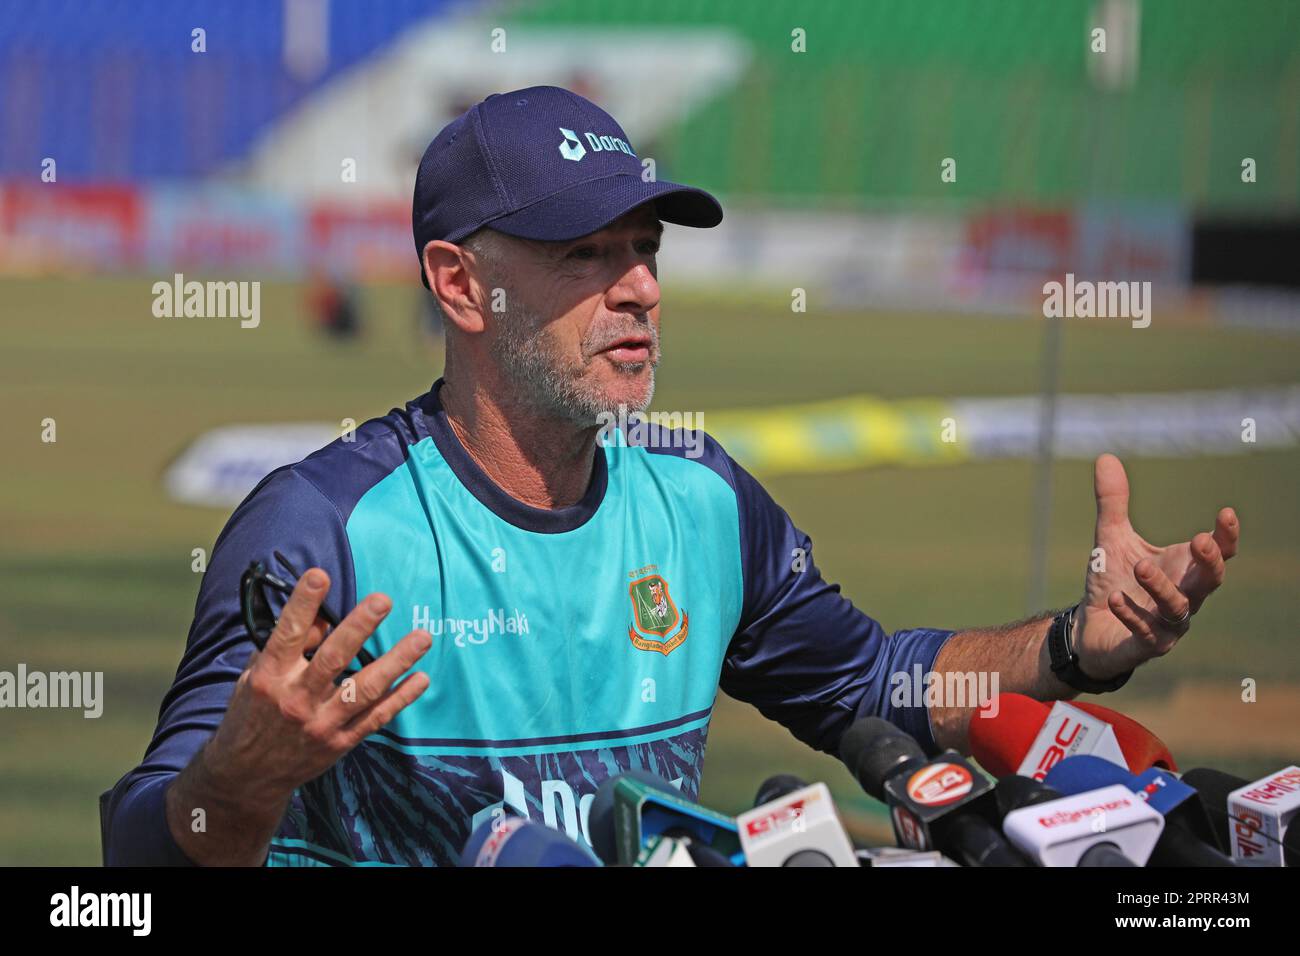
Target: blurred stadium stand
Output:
[
  {"x": 1132, "y": 170},
  {"x": 1000, "y": 85},
  {"x": 113, "y": 89}
]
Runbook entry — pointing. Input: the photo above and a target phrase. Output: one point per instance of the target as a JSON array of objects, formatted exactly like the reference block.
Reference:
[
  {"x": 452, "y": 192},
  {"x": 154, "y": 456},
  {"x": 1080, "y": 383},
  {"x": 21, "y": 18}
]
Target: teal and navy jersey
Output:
[{"x": 569, "y": 645}]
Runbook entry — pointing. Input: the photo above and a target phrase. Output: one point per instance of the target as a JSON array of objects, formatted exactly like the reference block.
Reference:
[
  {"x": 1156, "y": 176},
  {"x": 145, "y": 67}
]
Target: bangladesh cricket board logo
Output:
[{"x": 657, "y": 625}]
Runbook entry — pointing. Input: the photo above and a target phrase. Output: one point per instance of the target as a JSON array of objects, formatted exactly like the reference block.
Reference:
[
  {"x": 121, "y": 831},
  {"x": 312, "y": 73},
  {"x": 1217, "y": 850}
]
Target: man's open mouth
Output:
[{"x": 632, "y": 348}]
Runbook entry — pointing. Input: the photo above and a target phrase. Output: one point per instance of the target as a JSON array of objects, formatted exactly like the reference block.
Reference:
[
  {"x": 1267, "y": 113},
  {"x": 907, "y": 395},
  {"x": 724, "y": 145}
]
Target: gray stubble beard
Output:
[{"x": 522, "y": 352}]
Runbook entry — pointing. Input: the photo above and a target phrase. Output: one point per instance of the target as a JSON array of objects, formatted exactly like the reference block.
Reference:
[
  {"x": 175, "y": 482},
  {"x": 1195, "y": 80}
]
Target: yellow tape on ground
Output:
[{"x": 854, "y": 432}]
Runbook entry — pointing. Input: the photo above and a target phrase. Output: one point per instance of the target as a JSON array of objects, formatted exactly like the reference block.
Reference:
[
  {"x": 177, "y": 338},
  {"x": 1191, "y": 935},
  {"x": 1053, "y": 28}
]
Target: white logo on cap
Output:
[{"x": 572, "y": 147}]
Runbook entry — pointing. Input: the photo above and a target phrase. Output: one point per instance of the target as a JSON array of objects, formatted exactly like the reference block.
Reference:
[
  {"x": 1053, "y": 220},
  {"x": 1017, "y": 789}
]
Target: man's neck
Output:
[{"x": 539, "y": 459}]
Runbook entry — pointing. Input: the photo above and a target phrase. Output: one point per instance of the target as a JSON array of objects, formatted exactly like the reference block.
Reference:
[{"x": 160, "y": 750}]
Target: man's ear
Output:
[{"x": 446, "y": 267}]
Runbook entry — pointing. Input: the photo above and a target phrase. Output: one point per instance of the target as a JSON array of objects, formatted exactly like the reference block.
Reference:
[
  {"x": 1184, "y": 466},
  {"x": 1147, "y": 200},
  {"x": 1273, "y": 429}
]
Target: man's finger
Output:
[
  {"x": 338, "y": 650},
  {"x": 388, "y": 707},
  {"x": 289, "y": 639},
  {"x": 1227, "y": 532},
  {"x": 1206, "y": 573},
  {"x": 373, "y": 681},
  {"x": 1171, "y": 603},
  {"x": 1110, "y": 485},
  {"x": 1142, "y": 624}
]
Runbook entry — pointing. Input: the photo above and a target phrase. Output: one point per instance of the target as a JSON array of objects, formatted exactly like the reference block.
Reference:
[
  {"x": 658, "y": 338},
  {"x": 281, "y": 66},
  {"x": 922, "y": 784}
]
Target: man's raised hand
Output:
[{"x": 1142, "y": 602}]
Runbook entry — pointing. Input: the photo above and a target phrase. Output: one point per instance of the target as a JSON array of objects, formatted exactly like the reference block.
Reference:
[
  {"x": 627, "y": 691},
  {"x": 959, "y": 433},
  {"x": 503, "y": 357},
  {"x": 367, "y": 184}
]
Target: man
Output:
[{"x": 545, "y": 609}]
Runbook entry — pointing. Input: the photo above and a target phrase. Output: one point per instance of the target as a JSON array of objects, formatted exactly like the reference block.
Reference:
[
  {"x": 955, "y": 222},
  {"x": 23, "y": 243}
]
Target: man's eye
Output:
[
  {"x": 650, "y": 248},
  {"x": 583, "y": 252}
]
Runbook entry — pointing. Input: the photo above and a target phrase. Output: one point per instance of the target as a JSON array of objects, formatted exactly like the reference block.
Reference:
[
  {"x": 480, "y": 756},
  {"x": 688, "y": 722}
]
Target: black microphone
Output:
[
  {"x": 774, "y": 788},
  {"x": 1212, "y": 788},
  {"x": 940, "y": 803},
  {"x": 1291, "y": 846}
]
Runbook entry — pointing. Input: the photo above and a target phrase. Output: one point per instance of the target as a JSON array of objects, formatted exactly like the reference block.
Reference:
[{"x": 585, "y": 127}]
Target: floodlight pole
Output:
[{"x": 1116, "y": 69}]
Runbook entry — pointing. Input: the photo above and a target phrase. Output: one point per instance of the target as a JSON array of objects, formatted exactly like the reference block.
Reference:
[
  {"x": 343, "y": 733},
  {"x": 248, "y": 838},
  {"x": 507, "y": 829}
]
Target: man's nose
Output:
[{"x": 636, "y": 291}]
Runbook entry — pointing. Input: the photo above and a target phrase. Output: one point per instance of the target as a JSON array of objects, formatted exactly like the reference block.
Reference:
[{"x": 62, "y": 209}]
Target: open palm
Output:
[{"x": 1138, "y": 598}]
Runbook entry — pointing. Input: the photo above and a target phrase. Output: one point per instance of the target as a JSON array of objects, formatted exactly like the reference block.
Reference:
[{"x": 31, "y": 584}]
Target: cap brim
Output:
[{"x": 588, "y": 207}]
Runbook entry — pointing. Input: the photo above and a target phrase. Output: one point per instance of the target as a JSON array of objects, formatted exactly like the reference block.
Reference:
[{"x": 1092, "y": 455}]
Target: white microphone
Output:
[
  {"x": 1261, "y": 813},
  {"x": 1060, "y": 832},
  {"x": 800, "y": 828}
]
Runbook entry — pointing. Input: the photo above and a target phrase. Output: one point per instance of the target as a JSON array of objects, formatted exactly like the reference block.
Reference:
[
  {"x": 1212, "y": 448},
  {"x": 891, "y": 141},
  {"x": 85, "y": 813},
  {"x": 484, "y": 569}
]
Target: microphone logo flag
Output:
[{"x": 939, "y": 784}]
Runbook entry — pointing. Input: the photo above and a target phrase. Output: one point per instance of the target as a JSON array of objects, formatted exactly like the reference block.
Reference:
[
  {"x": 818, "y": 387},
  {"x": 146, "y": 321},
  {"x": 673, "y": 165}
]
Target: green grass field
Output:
[{"x": 95, "y": 561}]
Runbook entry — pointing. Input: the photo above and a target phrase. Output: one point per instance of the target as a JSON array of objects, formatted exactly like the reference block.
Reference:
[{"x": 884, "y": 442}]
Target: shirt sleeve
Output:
[
  {"x": 803, "y": 654},
  {"x": 286, "y": 512}
]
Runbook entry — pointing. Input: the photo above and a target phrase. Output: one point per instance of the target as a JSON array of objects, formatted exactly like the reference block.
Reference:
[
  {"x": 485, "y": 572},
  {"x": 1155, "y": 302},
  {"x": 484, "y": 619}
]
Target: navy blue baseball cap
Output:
[{"x": 539, "y": 163}]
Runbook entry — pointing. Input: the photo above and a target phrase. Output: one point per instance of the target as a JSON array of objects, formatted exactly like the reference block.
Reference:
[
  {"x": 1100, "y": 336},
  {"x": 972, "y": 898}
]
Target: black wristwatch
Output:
[{"x": 1065, "y": 659}]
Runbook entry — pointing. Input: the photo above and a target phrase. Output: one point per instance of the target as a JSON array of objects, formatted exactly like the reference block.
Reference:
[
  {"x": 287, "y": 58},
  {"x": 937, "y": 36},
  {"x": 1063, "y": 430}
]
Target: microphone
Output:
[
  {"x": 934, "y": 804},
  {"x": 1000, "y": 743},
  {"x": 601, "y": 828},
  {"x": 794, "y": 827},
  {"x": 665, "y": 851},
  {"x": 634, "y": 806},
  {"x": 1259, "y": 818},
  {"x": 679, "y": 851},
  {"x": 774, "y": 788},
  {"x": 1029, "y": 738},
  {"x": 882, "y": 856},
  {"x": 1179, "y": 844},
  {"x": 1141, "y": 748},
  {"x": 1213, "y": 788},
  {"x": 1054, "y": 830},
  {"x": 514, "y": 841}
]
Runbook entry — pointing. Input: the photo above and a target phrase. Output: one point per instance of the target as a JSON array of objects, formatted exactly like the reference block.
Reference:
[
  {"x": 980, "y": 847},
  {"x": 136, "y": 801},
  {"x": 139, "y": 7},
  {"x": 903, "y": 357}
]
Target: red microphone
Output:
[
  {"x": 1000, "y": 743},
  {"x": 1142, "y": 749},
  {"x": 1029, "y": 738}
]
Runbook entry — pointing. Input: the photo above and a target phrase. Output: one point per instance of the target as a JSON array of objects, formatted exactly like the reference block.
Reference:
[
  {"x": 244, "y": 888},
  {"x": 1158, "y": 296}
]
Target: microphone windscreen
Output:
[
  {"x": 1141, "y": 748},
  {"x": 1000, "y": 743},
  {"x": 873, "y": 749},
  {"x": 1084, "y": 772},
  {"x": 1291, "y": 844},
  {"x": 703, "y": 855},
  {"x": 1213, "y": 787},
  {"x": 774, "y": 788},
  {"x": 1014, "y": 791},
  {"x": 514, "y": 841}
]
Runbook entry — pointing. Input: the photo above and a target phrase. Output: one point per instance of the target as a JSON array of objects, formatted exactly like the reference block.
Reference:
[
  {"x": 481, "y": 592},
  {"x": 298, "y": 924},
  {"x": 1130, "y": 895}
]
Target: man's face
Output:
[{"x": 580, "y": 332}]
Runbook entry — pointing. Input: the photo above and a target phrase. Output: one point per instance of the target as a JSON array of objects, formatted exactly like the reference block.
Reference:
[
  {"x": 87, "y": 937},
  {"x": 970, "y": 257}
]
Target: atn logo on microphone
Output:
[{"x": 940, "y": 784}]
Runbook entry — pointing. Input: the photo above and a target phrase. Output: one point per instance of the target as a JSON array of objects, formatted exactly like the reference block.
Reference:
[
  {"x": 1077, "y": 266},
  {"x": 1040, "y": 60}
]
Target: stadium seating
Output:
[{"x": 112, "y": 89}]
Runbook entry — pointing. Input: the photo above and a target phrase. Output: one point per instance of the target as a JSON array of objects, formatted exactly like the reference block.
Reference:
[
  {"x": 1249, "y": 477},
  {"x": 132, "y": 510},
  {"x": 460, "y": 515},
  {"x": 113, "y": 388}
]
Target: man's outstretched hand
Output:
[
  {"x": 1142, "y": 603},
  {"x": 288, "y": 721}
]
